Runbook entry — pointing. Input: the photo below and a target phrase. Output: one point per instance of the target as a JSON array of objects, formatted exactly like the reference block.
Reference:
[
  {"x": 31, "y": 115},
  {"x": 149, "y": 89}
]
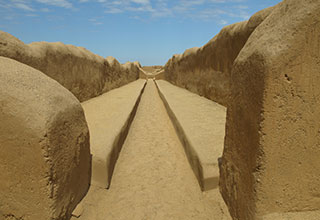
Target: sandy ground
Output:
[
  {"x": 201, "y": 125},
  {"x": 152, "y": 178},
  {"x": 106, "y": 116}
]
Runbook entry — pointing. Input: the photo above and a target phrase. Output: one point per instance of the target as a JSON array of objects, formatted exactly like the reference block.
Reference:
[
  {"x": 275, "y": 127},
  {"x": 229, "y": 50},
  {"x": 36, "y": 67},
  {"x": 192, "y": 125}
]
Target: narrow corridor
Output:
[{"x": 152, "y": 178}]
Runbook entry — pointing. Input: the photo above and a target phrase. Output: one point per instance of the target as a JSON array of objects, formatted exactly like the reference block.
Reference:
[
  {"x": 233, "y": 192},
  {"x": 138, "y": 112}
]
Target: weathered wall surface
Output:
[
  {"x": 45, "y": 162},
  {"x": 120, "y": 74},
  {"x": 206, "y": 70},
  {"x": 271, "y": 160},
  {"x": 85, "y": 74},
  {"x": 160, "y": 75},
  {"x": 149, "y": 71}
]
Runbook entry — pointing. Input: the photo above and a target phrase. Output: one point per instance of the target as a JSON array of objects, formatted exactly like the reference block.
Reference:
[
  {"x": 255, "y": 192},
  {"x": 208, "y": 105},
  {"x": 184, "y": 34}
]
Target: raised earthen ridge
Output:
[{"x": 229, "y": 130}]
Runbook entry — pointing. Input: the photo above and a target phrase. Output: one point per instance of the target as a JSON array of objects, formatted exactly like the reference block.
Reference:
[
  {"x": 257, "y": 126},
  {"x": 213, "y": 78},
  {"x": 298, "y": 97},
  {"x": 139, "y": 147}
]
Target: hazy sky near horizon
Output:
[{"x": 148, "y": 31}]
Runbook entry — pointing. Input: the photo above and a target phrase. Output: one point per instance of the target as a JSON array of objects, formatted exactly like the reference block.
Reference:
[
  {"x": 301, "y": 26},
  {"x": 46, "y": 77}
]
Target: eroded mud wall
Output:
[
  {"x": 45, "y": 161},
  {"x": 206, "y": 70},
  {"x": 85, "y": 74},
  {"x": 271, "y": 157}
]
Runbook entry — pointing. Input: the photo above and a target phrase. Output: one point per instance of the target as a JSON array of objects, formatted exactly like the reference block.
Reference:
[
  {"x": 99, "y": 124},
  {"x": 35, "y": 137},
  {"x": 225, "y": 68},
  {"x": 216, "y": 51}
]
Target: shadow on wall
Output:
[
  {"x": 45, "y": 162},
  {"x": 206, "y": 70},
  {"x": 85, "y": 74},
  {"x": 271, "y": 157},
  {"x": 266, "y": 71}
]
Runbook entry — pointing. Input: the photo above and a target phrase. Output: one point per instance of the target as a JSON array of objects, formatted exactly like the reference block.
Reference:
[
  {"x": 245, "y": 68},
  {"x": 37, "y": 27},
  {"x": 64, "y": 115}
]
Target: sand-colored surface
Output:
[
  {"x": 152, "y": 72},
  {"x": 152, "y": 69},
  {"x": 265, "y": 70},
  {"x": 301, "y": 215},
  {"x": 109, "y": 117},
  {"x": 207, "y": 70},
  {"x": 44, "y": 146},
  {"x": 82, "y": 72},
  {"x": 152, "y": 178},
  {"x": 200, "y": 124},
  {"x": 271, "y": 157}
]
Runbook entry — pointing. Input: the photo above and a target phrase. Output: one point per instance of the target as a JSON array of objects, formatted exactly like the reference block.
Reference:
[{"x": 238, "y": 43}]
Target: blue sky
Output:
[{"x": 149, "y": 31}]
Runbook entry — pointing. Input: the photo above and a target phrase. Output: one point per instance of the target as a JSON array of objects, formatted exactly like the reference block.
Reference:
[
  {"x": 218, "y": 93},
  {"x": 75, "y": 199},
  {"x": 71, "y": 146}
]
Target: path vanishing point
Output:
[{"x": 152, "y": 178}]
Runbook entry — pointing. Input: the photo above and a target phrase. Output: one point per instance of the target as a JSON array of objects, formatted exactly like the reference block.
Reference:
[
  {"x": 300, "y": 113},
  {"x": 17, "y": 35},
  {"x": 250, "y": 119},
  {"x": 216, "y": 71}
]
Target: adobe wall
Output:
[
  {"x": 271, "y": 157},
  {"x": 85, "y": 74},
  {"x": 45, "y": 161},
  {"x": 206, "y": 70}
]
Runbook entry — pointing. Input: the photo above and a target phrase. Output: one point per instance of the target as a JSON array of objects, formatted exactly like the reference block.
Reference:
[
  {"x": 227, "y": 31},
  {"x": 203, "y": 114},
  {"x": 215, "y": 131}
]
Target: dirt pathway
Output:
[{"x": 152, "y": 178}]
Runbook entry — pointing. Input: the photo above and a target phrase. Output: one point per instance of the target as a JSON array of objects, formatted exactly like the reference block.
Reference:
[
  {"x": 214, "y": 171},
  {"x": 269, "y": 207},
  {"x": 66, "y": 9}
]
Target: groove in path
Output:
[{"x": 152, "y": 178}]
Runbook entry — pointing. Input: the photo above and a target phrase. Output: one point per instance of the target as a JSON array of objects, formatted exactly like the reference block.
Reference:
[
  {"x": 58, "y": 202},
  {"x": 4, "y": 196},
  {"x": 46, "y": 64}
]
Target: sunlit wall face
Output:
[{"x": 149, "y": 31}]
